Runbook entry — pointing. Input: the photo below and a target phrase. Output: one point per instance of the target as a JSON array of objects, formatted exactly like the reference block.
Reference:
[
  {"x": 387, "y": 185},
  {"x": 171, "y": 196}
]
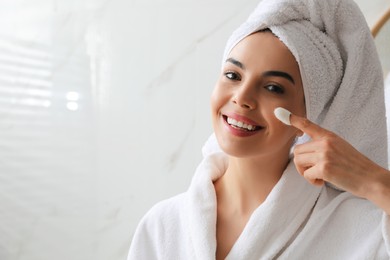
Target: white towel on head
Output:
[{"x": 339, "y": 65}]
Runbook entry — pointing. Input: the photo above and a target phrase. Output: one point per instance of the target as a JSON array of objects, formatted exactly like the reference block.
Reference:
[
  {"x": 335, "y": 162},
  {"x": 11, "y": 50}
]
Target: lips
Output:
[{"x": 240, "y": 125}]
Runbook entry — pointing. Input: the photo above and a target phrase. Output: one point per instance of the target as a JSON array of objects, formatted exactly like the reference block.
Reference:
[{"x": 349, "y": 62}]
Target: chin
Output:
[{"x": 235, "y": 150}]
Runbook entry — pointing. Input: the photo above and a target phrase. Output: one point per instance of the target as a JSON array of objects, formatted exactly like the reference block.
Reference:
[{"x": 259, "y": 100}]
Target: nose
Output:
[{"x": 245, "y": 97}]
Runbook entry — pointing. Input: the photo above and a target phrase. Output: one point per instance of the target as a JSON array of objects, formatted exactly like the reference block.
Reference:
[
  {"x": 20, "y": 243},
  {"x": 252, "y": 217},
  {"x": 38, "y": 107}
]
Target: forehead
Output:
[{"x": 265, "y": 50}]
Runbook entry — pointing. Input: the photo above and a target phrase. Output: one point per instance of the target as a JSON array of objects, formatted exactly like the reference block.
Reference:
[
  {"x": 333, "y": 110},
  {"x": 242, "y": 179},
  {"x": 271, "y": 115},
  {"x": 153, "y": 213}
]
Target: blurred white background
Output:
[{"x": 104, "y": 108}]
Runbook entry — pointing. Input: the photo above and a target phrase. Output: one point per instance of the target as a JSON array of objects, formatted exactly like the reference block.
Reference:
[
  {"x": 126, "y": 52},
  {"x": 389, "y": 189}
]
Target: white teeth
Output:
[{"x": 240, "y": 124}]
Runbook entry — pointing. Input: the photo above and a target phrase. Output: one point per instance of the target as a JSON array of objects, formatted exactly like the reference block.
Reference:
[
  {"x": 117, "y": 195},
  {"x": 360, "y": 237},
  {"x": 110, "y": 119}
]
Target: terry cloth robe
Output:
[
  {"x": 296, "y": 221},
  {"x": 343, "y": 85}
]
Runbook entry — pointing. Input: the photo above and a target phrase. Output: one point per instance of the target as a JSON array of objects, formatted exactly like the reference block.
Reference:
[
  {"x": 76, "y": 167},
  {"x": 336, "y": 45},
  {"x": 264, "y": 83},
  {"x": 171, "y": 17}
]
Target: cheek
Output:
[
  {"x": 217, "y": 100},
  {"x": 280, "y": 130},
  {"x": 213, "y": 98},
  {"x": 215, "y": 105}
]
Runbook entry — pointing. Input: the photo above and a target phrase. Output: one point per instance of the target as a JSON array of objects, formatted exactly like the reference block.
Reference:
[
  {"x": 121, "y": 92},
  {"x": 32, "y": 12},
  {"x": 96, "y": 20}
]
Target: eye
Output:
[
  {"x": 275, "y": 88},
  {"x": 232, "y": 75}
]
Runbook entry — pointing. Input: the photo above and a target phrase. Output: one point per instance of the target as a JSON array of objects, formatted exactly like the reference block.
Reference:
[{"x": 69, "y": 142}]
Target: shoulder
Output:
[
  {"x": 163, "y": 215},
  {"x": 168, "y": 206},
  {"x": 341, "y": 199},
  {"x": 159, "y": 226},
  {"x": 343, "y": 205}
]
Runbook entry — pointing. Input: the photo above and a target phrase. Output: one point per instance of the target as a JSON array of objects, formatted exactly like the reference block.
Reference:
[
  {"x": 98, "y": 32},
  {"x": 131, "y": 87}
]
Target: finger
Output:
[
  {"x": 305, "y": 161},
  {"x": 301, "y": 168},
  {"x": 313, "y": 176},
  {"x": 308, "y": 127},
  {"x": 309, "y": 147},
  {"x": 317, "y": 182}
]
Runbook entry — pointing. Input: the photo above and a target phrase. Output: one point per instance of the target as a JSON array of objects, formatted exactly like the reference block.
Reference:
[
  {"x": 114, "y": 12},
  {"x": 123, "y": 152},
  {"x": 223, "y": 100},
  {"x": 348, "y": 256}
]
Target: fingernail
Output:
[{"x": 283, "y": 115}]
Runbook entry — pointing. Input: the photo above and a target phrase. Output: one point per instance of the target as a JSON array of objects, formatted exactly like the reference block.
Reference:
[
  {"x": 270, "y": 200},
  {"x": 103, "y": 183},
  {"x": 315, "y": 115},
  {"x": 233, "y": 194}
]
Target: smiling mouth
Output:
[{"x": 241, "y": 125}]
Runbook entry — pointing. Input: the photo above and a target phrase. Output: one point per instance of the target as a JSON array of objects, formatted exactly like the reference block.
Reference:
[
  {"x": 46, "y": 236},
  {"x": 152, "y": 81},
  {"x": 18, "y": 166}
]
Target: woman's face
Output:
[{"x": 259, "y": 75}]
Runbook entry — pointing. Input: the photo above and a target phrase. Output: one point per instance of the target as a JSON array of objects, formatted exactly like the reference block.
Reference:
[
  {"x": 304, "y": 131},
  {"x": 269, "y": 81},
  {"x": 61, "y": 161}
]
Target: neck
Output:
[{"x": 248, "y": 181}]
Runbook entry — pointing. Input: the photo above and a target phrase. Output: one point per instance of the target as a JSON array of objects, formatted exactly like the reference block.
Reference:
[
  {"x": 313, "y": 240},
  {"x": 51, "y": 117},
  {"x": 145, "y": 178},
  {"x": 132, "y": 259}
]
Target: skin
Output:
[{"x": 246, "y": 87}]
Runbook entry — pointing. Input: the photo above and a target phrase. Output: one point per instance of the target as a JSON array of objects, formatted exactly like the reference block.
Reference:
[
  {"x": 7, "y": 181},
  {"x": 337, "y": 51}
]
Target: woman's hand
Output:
[{"x": 328, "y": 157}]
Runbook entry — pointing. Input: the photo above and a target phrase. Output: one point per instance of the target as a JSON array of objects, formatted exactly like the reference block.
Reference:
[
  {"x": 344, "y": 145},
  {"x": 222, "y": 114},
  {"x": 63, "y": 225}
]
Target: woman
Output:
[{"x": 248, "y": 199}]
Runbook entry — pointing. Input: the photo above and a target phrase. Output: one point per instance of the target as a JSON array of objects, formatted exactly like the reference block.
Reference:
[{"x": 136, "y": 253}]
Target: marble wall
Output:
[{"x": 104, "y": 107}]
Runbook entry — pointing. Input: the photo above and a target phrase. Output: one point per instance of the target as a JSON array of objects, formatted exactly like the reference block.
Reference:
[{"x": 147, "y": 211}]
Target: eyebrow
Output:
[
  {"x": 271, "y": 73},
  {"x": 236, "y": 62},
  {"x": 276, "y": 73}
]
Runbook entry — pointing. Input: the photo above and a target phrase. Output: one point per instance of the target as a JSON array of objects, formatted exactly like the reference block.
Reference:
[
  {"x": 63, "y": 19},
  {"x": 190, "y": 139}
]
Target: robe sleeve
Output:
[
  {"x": 159, "y": 234},
  {"x": 143, "y": 245},
  {"x": 386, "y": 231}
]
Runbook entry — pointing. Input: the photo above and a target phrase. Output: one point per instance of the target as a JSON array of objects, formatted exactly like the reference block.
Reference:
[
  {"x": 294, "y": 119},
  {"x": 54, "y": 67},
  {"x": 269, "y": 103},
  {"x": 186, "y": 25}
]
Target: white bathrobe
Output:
[
  {"x": 343, "y": 85},
  {"x": 296, "y": 221}
]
